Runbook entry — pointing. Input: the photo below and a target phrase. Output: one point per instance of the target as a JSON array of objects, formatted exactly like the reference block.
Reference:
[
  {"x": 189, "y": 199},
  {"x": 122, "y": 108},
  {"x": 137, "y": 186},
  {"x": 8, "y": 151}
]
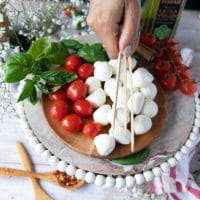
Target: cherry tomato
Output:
[
  {"x": 188, "y": 87},
  {"x": 147, "y": 39},
  {"x": 76, "y": 90},
  {"x": 68, "y": 10},
  {"x": 92, "y": 129},
  {"x": 85, "y": 70},
  {"x": 162, "y": 67},
  {"x": 184, "y": 72},
  {"x": 59, "y": 109},
  {"x": 177, "y": 60},
  {"x": 83, "y": 108},
  {"x": 170, "y": 44},
  {"x": 72, "y": 123},
  {"x": 169, "y": 82},
  {"x": 58, "y": 95},
  {"x": 72, "y": 63}
]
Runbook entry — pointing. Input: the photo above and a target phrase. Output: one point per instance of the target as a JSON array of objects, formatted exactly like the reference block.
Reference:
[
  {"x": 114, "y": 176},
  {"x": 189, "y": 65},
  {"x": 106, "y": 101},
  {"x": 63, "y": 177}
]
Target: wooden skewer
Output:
[
  {"x": 116, "y": 93},
  {"x": 132, "y": 113},
  {"x": 125, "y": 93}
]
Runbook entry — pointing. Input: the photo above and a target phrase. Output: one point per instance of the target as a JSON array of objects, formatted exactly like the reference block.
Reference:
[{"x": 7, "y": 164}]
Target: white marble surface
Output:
[{"x": 12, "y": 188}]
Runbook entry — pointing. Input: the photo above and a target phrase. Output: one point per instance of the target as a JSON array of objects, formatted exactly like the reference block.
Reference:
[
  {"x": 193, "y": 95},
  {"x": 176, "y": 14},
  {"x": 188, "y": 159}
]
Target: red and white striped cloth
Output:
[{"x": 178, "y": 183}]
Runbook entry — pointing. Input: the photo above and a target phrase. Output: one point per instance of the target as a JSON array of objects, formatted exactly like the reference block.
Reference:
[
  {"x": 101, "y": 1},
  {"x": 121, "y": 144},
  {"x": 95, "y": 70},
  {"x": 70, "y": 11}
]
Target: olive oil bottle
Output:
[{"x": 161, "y": 17}]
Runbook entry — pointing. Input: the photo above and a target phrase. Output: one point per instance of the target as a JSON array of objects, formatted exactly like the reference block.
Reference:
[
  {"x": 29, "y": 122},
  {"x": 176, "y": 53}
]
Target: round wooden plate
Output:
[{"x": 82, "y": 144}]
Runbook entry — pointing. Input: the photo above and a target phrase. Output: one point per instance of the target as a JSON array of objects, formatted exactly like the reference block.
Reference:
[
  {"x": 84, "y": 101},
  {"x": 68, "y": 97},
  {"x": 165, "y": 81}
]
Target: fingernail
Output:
[{"x": 127, "y": 50}]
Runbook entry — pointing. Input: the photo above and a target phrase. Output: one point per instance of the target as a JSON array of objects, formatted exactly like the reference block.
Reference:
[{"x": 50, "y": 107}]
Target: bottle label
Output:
[{"x": 166, "y": 18}]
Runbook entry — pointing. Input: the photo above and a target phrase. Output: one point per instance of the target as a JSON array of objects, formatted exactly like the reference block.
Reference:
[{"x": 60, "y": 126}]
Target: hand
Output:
[{"x": 116, "y": 23}]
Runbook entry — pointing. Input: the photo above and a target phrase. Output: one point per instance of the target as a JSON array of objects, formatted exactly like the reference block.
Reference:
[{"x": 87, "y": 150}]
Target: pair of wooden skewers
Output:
[{"x": 128, "y": 65}]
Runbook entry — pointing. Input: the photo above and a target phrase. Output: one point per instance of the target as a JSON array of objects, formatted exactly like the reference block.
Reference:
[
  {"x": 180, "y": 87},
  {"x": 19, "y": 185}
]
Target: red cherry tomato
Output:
[
  {"x": 188, "y": 87},
  {"x": 162, "y": 67},
  {"x": 83, "y": 108},
  {"x": 85, "y": 70},
  {"x": 72, "y": 63},
  {"x": 59, "y": 109},
  {"x": 170, "y": 44},
  {"x": 177, "y": 60},
  {"x": 184, "y": 72},
  {"x": 76, "y": 90},
  {"x": 147, "y": 39},
  {"x": 58, "y": 95},
  {"x": 91, "y": 129},
  {"x": 72, "y": 123},
  {"x": 68, "y": 10},
  {"x": 169, "y": 82}
]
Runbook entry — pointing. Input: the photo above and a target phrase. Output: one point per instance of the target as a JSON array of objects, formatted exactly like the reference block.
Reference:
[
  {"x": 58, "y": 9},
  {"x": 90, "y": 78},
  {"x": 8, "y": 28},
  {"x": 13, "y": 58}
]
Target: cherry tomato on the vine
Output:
[
  {"x": 170, "y": 44},
  {"x": 83, "y": 108},
  {"x": 76, "y": 90},
  {"x": 147, "y": 39},
  {"x": 184, "y": 72},
  {"x": 72, "y": 63},
  {"x": 177, "y": 60},
  {"x": 169, "y": 82},
  {"x": 92, "y": 129},
  {"x": 188, "y": 87},
  {"x": 72, "y": 123},
  {"x": 85, "y": 70},
  {"x": 162, "y": 67},
  {"x": 59, "y": 109},
  {"x": 58, "y": 95}
]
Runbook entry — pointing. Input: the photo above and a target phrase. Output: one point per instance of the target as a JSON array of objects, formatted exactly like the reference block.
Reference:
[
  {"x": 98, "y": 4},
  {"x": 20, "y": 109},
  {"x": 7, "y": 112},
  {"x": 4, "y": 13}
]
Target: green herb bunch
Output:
[{"x": 37, "y": 62}]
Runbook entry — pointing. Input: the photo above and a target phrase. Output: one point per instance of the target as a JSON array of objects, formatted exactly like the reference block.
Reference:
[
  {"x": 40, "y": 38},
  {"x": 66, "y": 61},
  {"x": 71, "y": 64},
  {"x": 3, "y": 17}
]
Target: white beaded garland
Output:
[
  {"x": 184, "y": 149},
  {"x": 39, "y": 148},
  {"x": 197, "y": 122},
  {"x": 172, "y": 161},
  {"x": 179, "y": 155},
  {"x": 197, "y": 107},
  {"x": 33, "y": 141},
  {"x": 62, "y": 166},
  {"x": 53, "y": 160},
  {"x": 148, "y": 175},
  {"x": 198, "y": 114},
  {"x": 99, "y": 180},
  {"x": 120, "y": 182},
  {"x": 71, "y": 170},
  {"x": 157, "y": 171},
  {"x": 195, "y": 129},
  {"x": 90, "y": 177},
  {"x": 189, "y": 143},
  {"x": 139, "y": 179},
  {"x": 46, "y": 155},
  {"x": 130, "y": 181},
  {"x": 165, "y": 167},
  {"x": 110, "y": 181},
  {"x": 193, "y": 137},
  {"x": 80, "y": 174}
]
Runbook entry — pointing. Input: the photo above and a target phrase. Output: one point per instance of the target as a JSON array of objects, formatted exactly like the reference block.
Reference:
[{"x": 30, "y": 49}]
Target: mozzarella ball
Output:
[
  {"x": 136, "y": 102},
  {"x": 142, "y": 77},
  {"x": 93, "y": 84},
  {"x": 104, "y": 143},
  {"x": 150, "y": 108},
  {"x": 102, "y": 70},
  {"x": 110, "y": 85},
  {"x": 101, "y": 115},
  {"x": 120, "y": 136},
  {"x": 142, "y": 124},
  {"x": 134, "y": 63},
  {"x": 120, "y": 116},
  {"x": 97, "y": 98},
  {"x": 149, "y": 91},
  {"x": 114, "y": 63}
]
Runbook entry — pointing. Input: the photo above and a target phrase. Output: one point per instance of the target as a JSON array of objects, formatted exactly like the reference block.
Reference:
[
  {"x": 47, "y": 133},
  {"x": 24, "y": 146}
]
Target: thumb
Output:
[{"x": 129, "y": 32}]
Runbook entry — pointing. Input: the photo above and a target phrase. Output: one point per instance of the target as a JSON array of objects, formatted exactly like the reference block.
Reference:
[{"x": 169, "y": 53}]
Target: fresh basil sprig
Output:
[{"x": 89, "y": 53}]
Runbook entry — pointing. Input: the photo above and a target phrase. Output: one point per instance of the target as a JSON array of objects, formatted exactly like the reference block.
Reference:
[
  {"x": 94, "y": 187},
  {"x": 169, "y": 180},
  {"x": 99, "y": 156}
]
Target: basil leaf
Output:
[
  {"x": 72, "y": 44},
  {"x": 39, "y": 66},
  {"x": 47, "y": 90},
  {"x": 38, "y": 47},
  {"x": 17, "y": 67},
  {"x": 93, "y": 53},
  {"x": 27, "y": 91},
  {"x": 56, "y": 53},
  {"x": 33, "y": 97},
  {"x": 58, "y": 77}
]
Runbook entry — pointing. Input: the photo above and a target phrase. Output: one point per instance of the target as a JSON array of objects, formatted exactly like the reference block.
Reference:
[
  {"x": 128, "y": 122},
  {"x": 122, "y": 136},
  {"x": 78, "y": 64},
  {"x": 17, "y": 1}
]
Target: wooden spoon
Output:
[
  {"x": 55, "y": 177},
  {"x": 39, "y": 193}
]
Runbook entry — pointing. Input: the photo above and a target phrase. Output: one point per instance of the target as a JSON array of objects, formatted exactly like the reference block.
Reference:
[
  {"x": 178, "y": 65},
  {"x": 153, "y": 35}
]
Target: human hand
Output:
[{"x": 116, "y": 23}]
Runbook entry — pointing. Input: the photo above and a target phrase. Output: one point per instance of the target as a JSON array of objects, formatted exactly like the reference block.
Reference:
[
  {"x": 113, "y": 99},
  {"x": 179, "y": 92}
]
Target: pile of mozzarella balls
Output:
[{"x": 103, "y": 85}]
